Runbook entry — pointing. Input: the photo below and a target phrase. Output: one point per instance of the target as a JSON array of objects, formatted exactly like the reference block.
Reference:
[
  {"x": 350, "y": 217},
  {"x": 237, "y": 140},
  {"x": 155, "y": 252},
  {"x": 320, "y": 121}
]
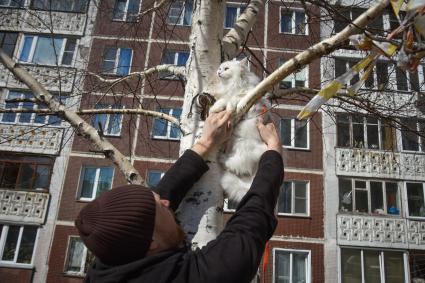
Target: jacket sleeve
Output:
[
  {"x": 236, "y": 253},
  {"x": 187, "y": 170}
]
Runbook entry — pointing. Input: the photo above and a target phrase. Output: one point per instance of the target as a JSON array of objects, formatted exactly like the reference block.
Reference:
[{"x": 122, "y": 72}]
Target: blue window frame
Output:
[
  {"x": 110, "y": 123},
  {"x": 95, "y": 181},
  {"x": 126, "y": 10},
  {"x": 46, "y": 50},
  {"x": 117, "y": 61},
  {"x": 180, "y": 13},
  {"x": 163, "y": 129}
]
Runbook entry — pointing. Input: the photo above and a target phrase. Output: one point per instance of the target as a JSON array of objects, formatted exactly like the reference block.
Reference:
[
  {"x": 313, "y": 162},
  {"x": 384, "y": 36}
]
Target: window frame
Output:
[
  {"x": 168, "y": 76},
  {"x": 34, "y": 44},
  {"x": 308, "y": 267},
  {"x": 16, "y": 34},
  {"x": 380, "y": 125},
  {"x": 293, "y": 21},
  {"x": 369, "y": 198},
  {"x": 406, "y": 196},
  {"x": 293, "y": 213},
  {"x": 125, "y": 13},
  {"x": 14, "y": 7},
  {"x": 420, "y": 139},
  {"x": 292, "y": 77},
  {"x": 182, "y": 15},
  {"x": 381, "y": 252},
  {"x": 33, "y": 115},
  {"x": 169, "y": 125},
  {"x": 3, "y": 237},
  {"x": 108, "y": 119},
  {"x": 95, "y": 182},
  {"x": 117, "y": 58},
  {"x": 83, "y": 11},
  {"x": 85, "y": 254},
  {"x": 292, "y": 146}
]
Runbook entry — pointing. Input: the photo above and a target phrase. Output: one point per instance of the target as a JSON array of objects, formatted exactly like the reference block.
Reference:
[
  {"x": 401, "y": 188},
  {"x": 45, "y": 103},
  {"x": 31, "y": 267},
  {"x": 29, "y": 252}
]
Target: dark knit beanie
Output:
[{"x": 117, "y": 227}]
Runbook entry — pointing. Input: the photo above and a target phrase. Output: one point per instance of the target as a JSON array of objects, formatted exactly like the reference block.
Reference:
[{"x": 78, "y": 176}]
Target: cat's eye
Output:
[{"x": 226, "y": 68}]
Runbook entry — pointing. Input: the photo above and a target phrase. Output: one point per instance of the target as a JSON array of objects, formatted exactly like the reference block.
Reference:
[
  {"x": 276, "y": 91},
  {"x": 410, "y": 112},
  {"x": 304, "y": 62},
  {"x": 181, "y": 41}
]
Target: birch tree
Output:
[{"x": 201, "y": 211}]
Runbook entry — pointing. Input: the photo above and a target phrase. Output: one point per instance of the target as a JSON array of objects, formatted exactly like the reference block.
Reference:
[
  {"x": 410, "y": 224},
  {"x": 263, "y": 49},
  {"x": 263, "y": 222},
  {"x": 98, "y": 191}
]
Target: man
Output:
[{"x": 135, "y": 238}]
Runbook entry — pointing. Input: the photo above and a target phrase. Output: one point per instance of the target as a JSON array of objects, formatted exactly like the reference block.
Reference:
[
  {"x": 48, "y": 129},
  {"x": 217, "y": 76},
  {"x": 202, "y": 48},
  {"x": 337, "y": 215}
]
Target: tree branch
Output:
[
  {"x": 81, "y": 126},
  {"x": 300, "y": 60},
  {"x": 154, "y": 8},
  {"x": 236, "y": 36}
]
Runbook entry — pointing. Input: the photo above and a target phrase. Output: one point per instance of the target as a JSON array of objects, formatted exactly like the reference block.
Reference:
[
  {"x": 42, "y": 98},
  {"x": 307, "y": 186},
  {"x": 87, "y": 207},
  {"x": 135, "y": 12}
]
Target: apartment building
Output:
[
  {"x": 50, "y": 42},
  {"x": 374, "y": 170}
]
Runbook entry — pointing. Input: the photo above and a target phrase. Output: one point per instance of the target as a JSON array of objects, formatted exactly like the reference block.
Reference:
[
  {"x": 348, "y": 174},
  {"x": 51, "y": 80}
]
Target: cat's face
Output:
[{"x": 232, "y": 69}]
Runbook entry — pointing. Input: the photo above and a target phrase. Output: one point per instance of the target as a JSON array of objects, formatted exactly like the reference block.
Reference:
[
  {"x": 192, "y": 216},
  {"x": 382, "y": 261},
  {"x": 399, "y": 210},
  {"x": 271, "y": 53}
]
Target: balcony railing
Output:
[
  {"x": 23, "y": 206},
  {"x": 31, "y": 139},
  {"x": 380, "y": 231},
  {"x": 53, "y": 78},
  {"x": 42, "y": 21},
  {"x": 380, "y": 164}
]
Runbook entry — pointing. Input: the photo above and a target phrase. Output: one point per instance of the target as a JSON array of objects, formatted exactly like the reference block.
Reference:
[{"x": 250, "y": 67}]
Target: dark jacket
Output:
[{"x": 236, "y": 253}]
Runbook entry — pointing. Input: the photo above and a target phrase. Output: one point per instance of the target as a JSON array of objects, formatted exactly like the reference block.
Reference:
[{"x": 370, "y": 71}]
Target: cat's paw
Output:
[{"x": 218, "y": 106}]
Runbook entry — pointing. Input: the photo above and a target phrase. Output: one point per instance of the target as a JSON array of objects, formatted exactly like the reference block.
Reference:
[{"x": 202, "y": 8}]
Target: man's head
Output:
[{"x": 126, "y": 224}]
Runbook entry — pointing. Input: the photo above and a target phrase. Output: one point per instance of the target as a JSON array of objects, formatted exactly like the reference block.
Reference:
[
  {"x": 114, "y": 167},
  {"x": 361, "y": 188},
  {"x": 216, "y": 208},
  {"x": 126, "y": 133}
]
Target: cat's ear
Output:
[{"x": 244, "y": 62}]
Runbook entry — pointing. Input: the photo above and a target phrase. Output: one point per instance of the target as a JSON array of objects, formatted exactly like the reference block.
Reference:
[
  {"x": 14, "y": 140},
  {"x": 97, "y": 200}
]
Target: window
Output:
[
  {"x": 12, "y": 3},
  {"x": 180, "y": 12},
  {"x": 229, "y": 205},
  {"x": 17, "y": 243},
  {"x": 413, "y": 134},
  {"x": 232, "y": 14},
  {"x": 416, "y": 199},
  {"x": 78, "y": 6},
  {"x": 154, "y": 176},
  {"x": 347, "y": 14},
  {"x": 369, "y": 196},
  {"x": 163, "y": 129},
  {"x": 298, "y": 79},
  {"x": 291, "y": 266},
  {"x": 110, "y": 124},
  {"x": 78, "y": 258},
  {"x": 294, "y": 198},
  {"x": 294, "y": 133},
  {"x": 45, "y": 50},
  {"x": 126, "y": 10},
  {"x": 28, "y": 118},
  {"x": 8, "y": 42},
  {"x": 372, "y": 265},
  {"x": 25, "y": 172},
  {"x": 117, "y": 61},
  {"x": 177, "y": 58},
  {"x": 293, "y": 21},
  {"x": 360, "y": 131},
  {"x": 94, "y": 181}
]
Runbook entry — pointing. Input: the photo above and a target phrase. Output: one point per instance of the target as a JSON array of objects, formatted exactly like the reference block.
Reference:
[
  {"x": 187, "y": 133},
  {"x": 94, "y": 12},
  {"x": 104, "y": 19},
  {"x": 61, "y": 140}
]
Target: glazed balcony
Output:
[
  {"x": 379, "y": 164},
  {"x": 36, "y": 21},
  {"x": 31, "y": 139},
  {"x": 380, "y": 231},
  {"x": 27, "y": 207}
]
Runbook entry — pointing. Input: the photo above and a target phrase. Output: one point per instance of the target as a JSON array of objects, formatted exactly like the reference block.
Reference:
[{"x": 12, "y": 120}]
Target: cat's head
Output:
[{"x": 232, "y": 70}]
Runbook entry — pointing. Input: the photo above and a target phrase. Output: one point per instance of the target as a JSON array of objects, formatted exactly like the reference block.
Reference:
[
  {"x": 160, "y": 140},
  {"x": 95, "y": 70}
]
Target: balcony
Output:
[
  {"x": 51, "y": 77},
  {"x": 23, "y": 206},
  {"x": 380, "y": 231},
  {"x": 31, "y": 139},
  {"x": 380, "y": 164},
  {"x": 42, "y": 21}
]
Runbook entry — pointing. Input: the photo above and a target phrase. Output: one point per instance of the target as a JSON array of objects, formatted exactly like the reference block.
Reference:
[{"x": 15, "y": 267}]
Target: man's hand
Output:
[
  {"x": 270, "y": 136},
  {"x": 217, "y": 129}
]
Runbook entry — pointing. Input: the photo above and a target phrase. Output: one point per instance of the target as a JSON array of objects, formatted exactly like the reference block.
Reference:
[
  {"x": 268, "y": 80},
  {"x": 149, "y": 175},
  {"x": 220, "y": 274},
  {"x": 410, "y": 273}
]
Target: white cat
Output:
[{"x": 242, "y": 152}]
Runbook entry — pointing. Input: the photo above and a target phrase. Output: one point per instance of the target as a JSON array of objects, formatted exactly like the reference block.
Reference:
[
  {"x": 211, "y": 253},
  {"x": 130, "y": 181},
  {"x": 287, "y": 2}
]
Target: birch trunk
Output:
[
  {"x": 201, "y": 211},
  {"x": 81, "y": 126}
]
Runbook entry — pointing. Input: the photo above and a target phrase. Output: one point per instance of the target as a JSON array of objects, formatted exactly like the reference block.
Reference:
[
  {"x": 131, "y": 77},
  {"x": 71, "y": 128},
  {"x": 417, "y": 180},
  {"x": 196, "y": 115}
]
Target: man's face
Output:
[{"x": 167, "y": 232}]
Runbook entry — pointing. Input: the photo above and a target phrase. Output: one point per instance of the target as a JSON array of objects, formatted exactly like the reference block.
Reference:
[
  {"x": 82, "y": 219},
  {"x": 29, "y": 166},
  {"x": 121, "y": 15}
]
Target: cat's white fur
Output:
[{"x": 242, "y": 152}]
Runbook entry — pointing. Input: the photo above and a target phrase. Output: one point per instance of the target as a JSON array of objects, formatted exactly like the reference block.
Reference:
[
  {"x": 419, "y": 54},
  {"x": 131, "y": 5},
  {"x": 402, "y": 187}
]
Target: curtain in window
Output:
[
  {"x": 89, "y": 175},
  {"x": 105, "y": 180},
  {"x": 300, "y": 23},
  {"x": 188, "y": 10},
  {"x": 285, "y": 198},
  {"x": 75, "y": 255},
  {"x": 286, "y": 22},
  {"x": 47, "y": 50},
  {"x": 282, "y": 267},
  {"x": 299, "y": 268}
]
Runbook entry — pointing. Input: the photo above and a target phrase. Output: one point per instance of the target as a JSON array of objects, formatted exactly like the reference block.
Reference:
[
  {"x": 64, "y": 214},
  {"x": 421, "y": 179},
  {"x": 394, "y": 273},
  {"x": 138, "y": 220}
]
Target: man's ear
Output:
[{"x": 153, "y": 247}]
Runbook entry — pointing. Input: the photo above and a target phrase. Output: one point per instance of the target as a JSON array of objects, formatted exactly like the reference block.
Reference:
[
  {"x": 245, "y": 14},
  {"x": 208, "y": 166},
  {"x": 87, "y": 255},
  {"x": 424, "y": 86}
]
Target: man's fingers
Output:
[{"x": 224, "y": 117}]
